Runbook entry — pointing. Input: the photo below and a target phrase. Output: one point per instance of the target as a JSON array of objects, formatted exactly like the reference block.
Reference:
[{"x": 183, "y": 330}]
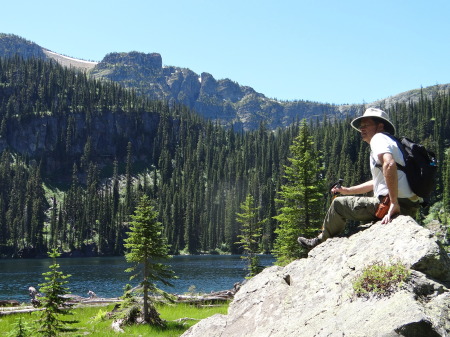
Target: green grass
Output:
[{"x": 92, "y": 321}]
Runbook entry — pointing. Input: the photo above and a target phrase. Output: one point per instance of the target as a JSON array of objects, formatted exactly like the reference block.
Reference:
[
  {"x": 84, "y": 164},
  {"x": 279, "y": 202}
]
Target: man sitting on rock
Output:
[{"x": 386, "y": 181}]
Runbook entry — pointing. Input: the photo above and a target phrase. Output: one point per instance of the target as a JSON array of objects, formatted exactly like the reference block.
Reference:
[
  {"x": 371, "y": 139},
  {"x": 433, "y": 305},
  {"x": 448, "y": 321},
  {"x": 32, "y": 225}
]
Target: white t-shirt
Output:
[{"x": 380, "y": 143}]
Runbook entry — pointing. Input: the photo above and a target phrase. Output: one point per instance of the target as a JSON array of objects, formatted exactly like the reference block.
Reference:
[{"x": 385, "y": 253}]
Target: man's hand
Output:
[
  {"x": 394, "y": 210},
  {"x": 338, "y": 189}
]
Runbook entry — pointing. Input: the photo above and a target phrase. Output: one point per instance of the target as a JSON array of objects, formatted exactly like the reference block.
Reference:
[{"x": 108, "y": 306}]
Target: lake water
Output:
[{"x": 106, "y": 275}]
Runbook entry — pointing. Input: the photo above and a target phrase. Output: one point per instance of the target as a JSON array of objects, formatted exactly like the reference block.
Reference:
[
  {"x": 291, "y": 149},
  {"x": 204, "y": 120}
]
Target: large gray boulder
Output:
[{"x": 315, "y": 297}]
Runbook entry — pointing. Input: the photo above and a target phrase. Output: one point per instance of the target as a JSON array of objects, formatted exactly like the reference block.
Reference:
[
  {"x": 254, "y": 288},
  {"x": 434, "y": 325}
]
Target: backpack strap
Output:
[{"x": 402, "y": 149}]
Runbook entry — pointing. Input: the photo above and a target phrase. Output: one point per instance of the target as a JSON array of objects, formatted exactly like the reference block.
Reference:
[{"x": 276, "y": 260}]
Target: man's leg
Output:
[{"x": 341, "y": 210}]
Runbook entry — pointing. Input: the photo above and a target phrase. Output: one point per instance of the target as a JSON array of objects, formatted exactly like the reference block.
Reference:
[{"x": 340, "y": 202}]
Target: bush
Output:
[{"x": 380, "y": 279}]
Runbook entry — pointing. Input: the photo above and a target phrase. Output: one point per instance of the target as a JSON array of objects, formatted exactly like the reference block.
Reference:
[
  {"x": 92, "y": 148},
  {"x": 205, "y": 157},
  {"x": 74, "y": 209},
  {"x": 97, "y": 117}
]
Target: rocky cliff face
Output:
[
  {"x": 222, "y": 100},
  {"x": 47, "y": 137},
  {"x": 314, "y": 296}
]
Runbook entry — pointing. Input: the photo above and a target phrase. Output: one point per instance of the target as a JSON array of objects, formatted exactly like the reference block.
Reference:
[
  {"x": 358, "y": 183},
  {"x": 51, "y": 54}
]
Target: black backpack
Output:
[{"x": 420, "y": 166}]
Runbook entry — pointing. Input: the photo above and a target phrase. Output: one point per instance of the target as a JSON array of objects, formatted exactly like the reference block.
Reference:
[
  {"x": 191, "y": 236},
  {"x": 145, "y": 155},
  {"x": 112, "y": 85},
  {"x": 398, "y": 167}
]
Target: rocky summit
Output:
[{"x": 314, "y": 296}]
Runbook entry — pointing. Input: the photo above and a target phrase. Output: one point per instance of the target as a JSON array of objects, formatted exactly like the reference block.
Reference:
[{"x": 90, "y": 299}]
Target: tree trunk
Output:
[{"x": 145, "y": 286}]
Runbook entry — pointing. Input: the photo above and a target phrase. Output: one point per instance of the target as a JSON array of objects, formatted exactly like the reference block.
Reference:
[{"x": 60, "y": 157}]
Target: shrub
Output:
[{"x": 380, "y": 279}]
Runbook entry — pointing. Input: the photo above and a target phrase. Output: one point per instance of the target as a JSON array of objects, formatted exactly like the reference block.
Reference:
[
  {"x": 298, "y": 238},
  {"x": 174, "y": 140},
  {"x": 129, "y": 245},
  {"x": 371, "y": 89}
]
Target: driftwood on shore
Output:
[
  {"x": 71, "y": 299},
  {"x": 9, "y": 303},
  {"x": 17, "y": 310},
  {"x": 214, "y": 297},
  {"x": 200, "y": 299}
]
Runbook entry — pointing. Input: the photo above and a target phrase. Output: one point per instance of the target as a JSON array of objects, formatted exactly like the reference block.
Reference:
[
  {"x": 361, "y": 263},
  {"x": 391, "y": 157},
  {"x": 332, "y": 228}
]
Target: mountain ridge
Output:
[{"x": 224, "y": 101}]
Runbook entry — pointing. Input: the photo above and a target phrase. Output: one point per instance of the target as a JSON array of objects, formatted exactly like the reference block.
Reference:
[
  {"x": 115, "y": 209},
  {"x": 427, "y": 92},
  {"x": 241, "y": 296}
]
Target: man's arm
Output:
[
  {"x": 357, "y": 189},
  {"x": 391, "y": 178}
]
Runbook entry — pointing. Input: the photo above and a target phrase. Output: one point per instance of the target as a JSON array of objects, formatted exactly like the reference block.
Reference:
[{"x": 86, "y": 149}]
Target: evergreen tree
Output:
[
  {"x": 146, "y": 246},
  {"x": 21, "y": 328},
  {"x": 53, "y": 302},
  {"x": 53, "y": 241},
  {"x": 446, "y": 184},
  {"x": 301, "y": 198},
  {"x": 128, "y": 182},
  {"x": 250, "y": 236}
]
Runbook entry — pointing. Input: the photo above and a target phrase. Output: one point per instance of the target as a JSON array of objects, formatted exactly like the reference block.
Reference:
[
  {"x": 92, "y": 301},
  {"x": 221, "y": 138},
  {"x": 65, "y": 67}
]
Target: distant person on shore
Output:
[
  {"x": 33, "y": 294},
  {"x": 389, "y": 185},
  {"x": 92, "y": 294}
]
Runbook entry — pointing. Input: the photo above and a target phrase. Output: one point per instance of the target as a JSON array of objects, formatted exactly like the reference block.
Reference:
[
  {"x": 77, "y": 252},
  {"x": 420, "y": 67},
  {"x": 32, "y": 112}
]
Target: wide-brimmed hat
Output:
[{"x": 378, "y": 114}]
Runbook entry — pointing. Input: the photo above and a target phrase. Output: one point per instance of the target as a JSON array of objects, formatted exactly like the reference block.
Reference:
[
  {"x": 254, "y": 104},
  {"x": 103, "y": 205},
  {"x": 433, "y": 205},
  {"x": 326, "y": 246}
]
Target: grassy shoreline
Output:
[{"x": 93, "y": 321}]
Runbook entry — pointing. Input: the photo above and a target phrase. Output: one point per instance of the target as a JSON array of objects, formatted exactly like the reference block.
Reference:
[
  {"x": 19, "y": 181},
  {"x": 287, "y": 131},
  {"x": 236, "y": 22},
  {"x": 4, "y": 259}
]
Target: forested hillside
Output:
[{"x": 78, "y": 153}]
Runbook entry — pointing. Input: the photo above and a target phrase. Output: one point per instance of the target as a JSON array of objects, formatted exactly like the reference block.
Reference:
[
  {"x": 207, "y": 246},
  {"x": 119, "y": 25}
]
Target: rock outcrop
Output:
[
  {"x": 224, "y": 100},
  {"x": 315, "y": 297}
]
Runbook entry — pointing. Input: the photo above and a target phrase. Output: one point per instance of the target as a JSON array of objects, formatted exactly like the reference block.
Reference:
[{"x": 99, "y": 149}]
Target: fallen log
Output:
[
  {"x": 15, "y": 310},
  {"x": 200, "y": 299},
  {"x": 9, "y": 303}
]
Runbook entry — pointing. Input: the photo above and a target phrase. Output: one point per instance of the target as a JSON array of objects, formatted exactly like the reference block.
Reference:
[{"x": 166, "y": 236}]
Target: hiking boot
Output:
[{"x": 308, "y": 243}]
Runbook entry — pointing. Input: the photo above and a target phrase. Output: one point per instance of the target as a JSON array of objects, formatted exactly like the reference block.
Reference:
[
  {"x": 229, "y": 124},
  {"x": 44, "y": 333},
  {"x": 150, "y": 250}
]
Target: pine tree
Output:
[
  {"x": 20, "y": 328},
  {"x": 128, "y": 183},
  {"x": 446, "y": 185},
  {"x": 53, "y": 241},
  {"x": 301, "y": 198},
  {"x": 146, "y": 245},
  {"x": 250, "y": 236},
  {"x": 53, "y": 302}
]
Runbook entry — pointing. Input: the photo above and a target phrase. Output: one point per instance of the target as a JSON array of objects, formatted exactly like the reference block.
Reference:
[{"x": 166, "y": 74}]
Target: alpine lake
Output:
[{"x": 106, "y": 276}]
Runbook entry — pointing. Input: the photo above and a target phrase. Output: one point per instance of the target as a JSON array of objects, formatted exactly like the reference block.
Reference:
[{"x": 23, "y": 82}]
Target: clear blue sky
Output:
[{"x": 331, "y": 51}]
